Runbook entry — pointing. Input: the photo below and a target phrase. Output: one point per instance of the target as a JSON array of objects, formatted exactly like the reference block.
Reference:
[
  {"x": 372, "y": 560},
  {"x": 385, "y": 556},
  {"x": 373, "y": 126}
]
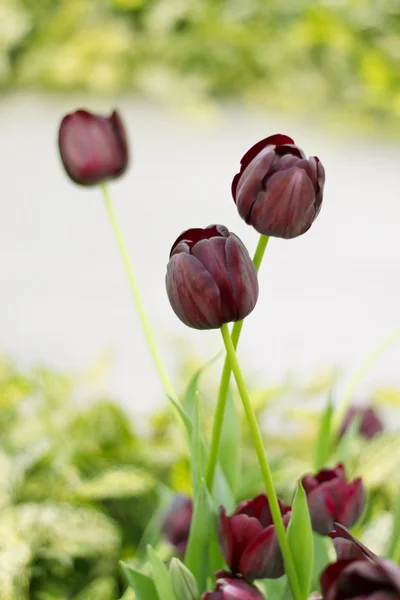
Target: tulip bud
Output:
[
  {"x": 230, "y": 587},
  {"x": 183, "y": 582},
  {"x": 93, "y": 148},
  {"x": 177, "y": 520},
  {"x": 210, "y": 279},
  {"x": 248, "y": 539},
  {"x": 278, "y": 190},
  {"x": 331, "y": 498},
  {"x": 370, "y": 423}
]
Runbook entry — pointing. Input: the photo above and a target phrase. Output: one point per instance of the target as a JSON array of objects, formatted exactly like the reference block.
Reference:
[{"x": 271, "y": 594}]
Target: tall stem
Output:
[
  {"x": 264, "y": 466},
  {"x": 224, "y": 384},
  {"x": 148, "y": 333}
]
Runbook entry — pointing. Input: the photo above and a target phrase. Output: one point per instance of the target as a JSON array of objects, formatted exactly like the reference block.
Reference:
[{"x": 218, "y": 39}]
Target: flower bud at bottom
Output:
[{"x": 183, "y": 582}]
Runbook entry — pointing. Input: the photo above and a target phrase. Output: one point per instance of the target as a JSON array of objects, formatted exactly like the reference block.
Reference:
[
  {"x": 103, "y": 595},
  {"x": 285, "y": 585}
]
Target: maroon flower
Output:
[
  {"x": 370, "y": 423},
  {"x": 93, "y": 148},
  {"x": 347, "y": 546},
  {"x": 248, "y": 540},
  {"x": 210, "y": 279},
  {"x": 176, "y": 525},
  {"x": 331, "y": 498},
  {"x": 361, "y": 579},
  {"x": 278, "y": 190},
  {"x": 230, "y": 587}
]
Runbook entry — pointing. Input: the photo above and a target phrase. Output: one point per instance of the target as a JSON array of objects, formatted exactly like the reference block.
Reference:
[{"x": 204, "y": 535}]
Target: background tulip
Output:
[
  {"x": 278, "y": 190},
  {"x": 176, "y": 524},
  {"x": 210, "y": 279},
  {"x": 370, "y": 423},
  {"x": 331, "y": 498},
  {"x": 230, "y": 587},
  {"x": 93, "y": 148},
  {"x": 248, "y": 539}
]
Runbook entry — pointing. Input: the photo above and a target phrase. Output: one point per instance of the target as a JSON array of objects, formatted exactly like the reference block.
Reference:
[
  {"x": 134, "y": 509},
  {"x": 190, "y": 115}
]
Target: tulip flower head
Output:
[
  {"x": 370, "y": 424},
  {"x": 229, "y": 587},
  {"x": 278, "y": 189},
  {"x": 176, "y": 524},
  {"x": 210, "y": 278},
  {"x": 93, "y": 148},
  {"x": 331, "y": 498},
  {"x": 248, "y": 539}
]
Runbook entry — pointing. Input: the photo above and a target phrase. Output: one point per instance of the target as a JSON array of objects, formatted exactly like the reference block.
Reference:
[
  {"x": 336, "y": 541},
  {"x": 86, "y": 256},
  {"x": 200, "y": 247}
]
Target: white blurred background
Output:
[{"x": 326, "y": 298}]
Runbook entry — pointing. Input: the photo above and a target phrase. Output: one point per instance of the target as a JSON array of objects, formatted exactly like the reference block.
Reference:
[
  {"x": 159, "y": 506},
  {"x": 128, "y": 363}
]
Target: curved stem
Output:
[
  {"x": 366, "y": 364},
  {"x": 148, "y": 333},
  {"x": 264, "y": 466},
  {"x": 224, "y": 384}
]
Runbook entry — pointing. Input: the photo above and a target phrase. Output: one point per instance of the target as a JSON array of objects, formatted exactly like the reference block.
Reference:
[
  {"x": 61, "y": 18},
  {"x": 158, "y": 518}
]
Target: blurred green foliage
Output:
[{"x": 341, "y": 57}]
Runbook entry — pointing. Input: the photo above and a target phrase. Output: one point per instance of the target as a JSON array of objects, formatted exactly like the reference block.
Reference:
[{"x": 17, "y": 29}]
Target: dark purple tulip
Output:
[
  {"x": 210, "y": 279},
  {"x": 93, "y": 148},
  {"x": 278, "y": 190},
  {"x": 362, "y": 579},
  {"x": 347, "y": 546},
  {"x": 248, "y": 539},
  {"x": 370, "y": 423},
  {"x": 331, "y": 498},
  {"x": 230, "y": 587},
  {"x": 176, "y": 524}
]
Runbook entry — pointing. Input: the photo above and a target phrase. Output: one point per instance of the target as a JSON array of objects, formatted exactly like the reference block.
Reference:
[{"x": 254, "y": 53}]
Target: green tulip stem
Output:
[
  {"x": 224, "y": 384},
  {"x": 264, "y": 466},
  {"x": 369, "y": 360},
  {"x": 148, "y": 333}
]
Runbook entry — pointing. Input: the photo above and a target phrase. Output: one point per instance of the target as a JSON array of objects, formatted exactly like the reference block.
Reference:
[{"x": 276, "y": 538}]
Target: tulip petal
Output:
[
  {"x": 192, "y": 292},
  {"x": 262, "y": 558},
  {"x": 322, "y": 510},
  {"x": 244, "y": 531},
  {"x": 352, "y": 503},
  {"x": 243, "y": 276},
  {"x": 211, "y": 253},
  {"x": 278, "y": 139},
  {"x": 251, "y": 181},
  {"x": 331, "y": 573}
]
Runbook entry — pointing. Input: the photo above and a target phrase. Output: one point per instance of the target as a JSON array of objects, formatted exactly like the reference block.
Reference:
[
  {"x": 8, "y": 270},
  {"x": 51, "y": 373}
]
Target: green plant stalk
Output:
[
  {"x": 148, "y": 333},
  {"x": 264, "y": 466},
  {"x": 224, "y": 384},
  {"x": 366, "y": 364}
]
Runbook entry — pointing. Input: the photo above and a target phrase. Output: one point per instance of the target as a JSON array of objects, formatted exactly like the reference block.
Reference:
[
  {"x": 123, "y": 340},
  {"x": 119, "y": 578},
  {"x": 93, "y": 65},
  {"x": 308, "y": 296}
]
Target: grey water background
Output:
[{"x": 326, "y": 298}]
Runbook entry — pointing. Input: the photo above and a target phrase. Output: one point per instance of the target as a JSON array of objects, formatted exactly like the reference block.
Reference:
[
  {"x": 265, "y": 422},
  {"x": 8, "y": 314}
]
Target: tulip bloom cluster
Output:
[{"x": 211, "y": 281}]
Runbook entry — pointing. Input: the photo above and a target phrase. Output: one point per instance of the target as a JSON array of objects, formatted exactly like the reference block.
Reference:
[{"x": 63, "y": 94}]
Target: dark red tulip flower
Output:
[
  {"x": 278, "y": 189},
  {"x": 370, "y": 423},
  {"x": 347, "y": 546},
  {"x": 176, "y": 525},
  {"x": 248, "y": 539},
  {"x": 331, "y": 498},
  {"x": 361, "y": 579},
  {"x": 93, "y": 148},
  {"x": 229, "y": 587},
  {"x": 210, "y": 279}
]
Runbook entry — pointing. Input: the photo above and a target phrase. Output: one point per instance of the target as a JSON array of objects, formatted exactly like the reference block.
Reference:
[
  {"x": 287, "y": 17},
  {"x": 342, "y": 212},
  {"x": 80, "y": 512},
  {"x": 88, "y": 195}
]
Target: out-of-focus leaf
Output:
[
  {"x": 380, "y": 459},
  {"x": 300, "y": 538},
  {"x": 141, "y": 584},
  {"x": 387, "y": 396},
  {"x": 393, "y": 545},
  {"x": 117, "y": 483},
  {"x": 103, "y": 588},
  {"x": 202, "y": 554},
  {"x": 324, "y": 438},
  {"x": 322, "y": 557},
  {"x": 161, "y": 576},
  {"x": 346, "y": 443}
]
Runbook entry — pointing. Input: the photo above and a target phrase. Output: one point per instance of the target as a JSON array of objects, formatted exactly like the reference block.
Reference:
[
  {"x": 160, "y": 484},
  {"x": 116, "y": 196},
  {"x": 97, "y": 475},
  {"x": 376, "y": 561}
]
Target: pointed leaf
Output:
[
  {"x": 300, "y": 538},
  {"x": 229, "y": 448},
  {"x": 142, "y": 585},
  {"x": 161, "y": 577}
]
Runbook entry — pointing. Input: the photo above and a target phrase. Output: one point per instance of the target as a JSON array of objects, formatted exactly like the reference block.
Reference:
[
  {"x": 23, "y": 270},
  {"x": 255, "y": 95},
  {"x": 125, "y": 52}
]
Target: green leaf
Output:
[
  {"x": 274, "y": 588},
  {"x": 142, "y": 585},
  {"x": 324, "y": 438},
  {"x": 321, "y": 558},
  {"x": 393, "y": 549},
  {"x": 300, "y": 538},
  {"x": 183, "y": 414},
  {"x": 229, "y": 446},
  {"x": 189, "y": 398},
  {"x": 346, "y": 443},
  {"x": 202, "y": 554},
  {"x": 160, "y": 576},
  {"x": 198, "y": 454}
]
